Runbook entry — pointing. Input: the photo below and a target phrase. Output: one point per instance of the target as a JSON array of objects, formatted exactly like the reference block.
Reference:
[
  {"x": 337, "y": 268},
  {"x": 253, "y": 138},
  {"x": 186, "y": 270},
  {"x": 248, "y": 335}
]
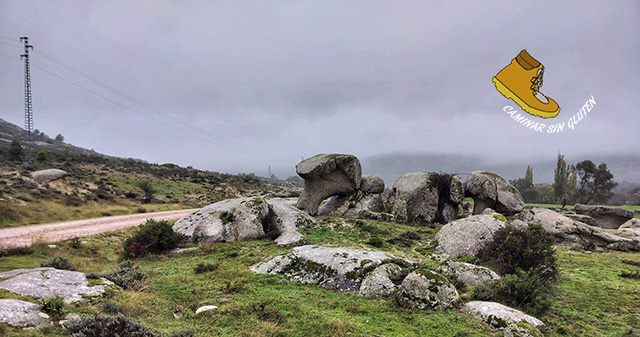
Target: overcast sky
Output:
[{"x": 236, "y": 86}]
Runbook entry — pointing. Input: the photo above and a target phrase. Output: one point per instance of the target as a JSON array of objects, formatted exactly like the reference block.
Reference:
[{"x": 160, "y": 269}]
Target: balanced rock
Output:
[
  {"x": 334, "y": 268},
  {"x": 489, "y": 190},
  {"x": 499, "y": 316},
  {"x": 41, "y": 283},
  {"x": 326, "y": 175},
  {"x": 380, "y": 282},
  {"x": 572, "y": 233},
  {"x": 244, "y": 219},
  {"x": 468, "y": 273},
  {"x": 605, "y": 217},
  {"x": 467, "y": 236},
  {"x": 425, "y": 289},
  {"x": 367, "y": 199},
  {"x": 21, "y": 313},
  {"x": 44, "y": 176},
  {"x": 425, "y": 197}
]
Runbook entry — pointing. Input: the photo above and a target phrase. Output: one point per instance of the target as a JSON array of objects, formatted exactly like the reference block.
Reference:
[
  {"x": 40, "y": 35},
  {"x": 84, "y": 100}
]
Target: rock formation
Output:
[
  {"x": 425, "y": 197},
  {"x": 489, "y": 190},
  {"x": 326, "y": 175},
  {"x": 41, "y": 283},
  {"x": 244, "y": 219},
  {"x": 466, "y": 237},
  {"x": 605, "y": 217}
]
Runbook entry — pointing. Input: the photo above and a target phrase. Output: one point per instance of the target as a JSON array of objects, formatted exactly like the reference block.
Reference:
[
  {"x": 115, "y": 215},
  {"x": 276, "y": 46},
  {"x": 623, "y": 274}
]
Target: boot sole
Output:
[{"x": 510, "y": 95}]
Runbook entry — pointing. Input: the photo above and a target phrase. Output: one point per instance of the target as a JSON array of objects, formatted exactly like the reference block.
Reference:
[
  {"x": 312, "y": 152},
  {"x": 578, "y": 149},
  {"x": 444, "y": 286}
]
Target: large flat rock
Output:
[
  {"x": 335, "y": 268},
  {"x": 21, "y": 313},
  {"x": 42, "y": 283}
]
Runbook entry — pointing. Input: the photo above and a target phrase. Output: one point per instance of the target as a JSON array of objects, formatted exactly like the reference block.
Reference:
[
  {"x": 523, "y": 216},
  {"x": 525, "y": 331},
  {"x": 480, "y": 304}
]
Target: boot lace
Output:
[{"x": 536, "y": 81}]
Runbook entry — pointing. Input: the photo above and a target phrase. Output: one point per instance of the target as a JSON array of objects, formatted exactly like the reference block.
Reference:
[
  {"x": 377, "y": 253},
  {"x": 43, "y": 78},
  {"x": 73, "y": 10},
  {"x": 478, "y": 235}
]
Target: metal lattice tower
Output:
[{"x": 28, "y": 108}]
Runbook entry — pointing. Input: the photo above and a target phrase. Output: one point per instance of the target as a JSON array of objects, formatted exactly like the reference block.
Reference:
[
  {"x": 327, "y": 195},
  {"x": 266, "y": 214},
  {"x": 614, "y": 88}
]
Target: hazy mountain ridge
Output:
[{"x": 389, "y": 167}]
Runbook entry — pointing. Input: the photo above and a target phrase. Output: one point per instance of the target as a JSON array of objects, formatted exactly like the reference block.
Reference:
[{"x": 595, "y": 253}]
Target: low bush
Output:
[
  {"x": 59, "y": 263},
  {"x": 110, "y": 307},
  {"x": 107, "y": 326},
  {"x": 153, "y": 237},
  {"x": 54, "y": 306},
  {"x": 128, "y": 276},
  {"x": 522, "y": 290},
  {"x": 205, "y": 267},
  {"x": 525, "y": 256},
  {"x": 529, "y": 249}
]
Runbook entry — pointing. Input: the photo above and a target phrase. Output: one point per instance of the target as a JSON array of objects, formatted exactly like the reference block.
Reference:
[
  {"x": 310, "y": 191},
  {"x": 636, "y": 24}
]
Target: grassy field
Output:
[{"x": 591, "y": 299}]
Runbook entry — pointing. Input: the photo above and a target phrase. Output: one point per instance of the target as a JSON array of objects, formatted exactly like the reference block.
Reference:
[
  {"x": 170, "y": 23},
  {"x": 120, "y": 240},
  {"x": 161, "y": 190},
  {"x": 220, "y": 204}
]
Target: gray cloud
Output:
[{"x": 238, "y": 86}]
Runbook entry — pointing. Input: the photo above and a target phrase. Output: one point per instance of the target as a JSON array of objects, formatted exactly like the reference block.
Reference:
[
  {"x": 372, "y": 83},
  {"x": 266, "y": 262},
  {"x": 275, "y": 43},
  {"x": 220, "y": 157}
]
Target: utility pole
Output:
[{"x": 28, "y": 108}]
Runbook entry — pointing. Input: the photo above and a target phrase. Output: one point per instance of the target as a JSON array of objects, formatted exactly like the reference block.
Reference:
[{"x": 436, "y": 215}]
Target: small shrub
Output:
[
  {"x": 460, "y": 286},
  {"x": 634, "y": 275},
  {"x": 406, "y": 239},
  {"x": 128, "y": 276},
  {"x": 110, "y": 307},
  {"x": 59, "y": 263},
  {"x": 15, "y": 251},
  {"x": 468, "y": 259},
  {"x": 522, "y": 290},
  {"x": 152, "y": 237},
  {"x": 375, "y": 242},
  {"x": 107, "y": 326},
  {"x": 54, "y": 306},
  {"x": 266, "y": 312},
  {"x": 531, "y": 249},
  {"x": 205, "y": 267},
  {"x": 75, "y": 243},
  {"x": 226, "y": 217}
]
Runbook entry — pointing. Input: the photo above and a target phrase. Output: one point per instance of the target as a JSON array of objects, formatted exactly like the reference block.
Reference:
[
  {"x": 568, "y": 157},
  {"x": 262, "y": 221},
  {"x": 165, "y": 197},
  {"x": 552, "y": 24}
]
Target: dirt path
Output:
[{"x": 26, "y": 235}]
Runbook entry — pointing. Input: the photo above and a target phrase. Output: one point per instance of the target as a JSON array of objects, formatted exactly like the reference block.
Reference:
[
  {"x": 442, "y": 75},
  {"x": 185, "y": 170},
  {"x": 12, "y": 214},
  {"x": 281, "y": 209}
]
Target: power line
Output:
[{"x": 225, "y": 142}]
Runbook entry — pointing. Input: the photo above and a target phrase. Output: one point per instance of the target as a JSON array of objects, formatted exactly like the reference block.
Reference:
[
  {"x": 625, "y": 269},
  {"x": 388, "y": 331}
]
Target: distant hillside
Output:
[
  {"x": 99, "y": 185},
  {"x": 390, "y": 167},
  {"x": 41, "y": 141}
]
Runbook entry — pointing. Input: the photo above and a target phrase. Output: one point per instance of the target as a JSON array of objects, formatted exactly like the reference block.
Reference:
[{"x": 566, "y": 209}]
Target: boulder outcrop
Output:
[
  {"x": 21, "y": 313},
  {"x": 572, "y": 233},
  {"x": 380, "y": 282},
  {"x": 499, "y": 316},
  {"x": 425, "y": 289},
  {"x": 468, "y": 273},
  {"x": 41, "y": 283},
  {"x": 44, "y": 176},
  {"x": 605, "y": 217},
  {"x": 425, "y": 197},
  {"x": 334, "y": 268},
  {"x": 244, "y": 219},
  {"x": 326, "y": 175},
  {"x": 467, "y": 236},
  {"x": 366, "y": 199},
  {"x": 489, "y": 190}
]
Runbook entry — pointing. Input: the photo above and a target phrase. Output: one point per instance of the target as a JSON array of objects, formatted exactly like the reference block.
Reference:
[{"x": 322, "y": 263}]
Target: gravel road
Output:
[{"x": 26, "y": 235}]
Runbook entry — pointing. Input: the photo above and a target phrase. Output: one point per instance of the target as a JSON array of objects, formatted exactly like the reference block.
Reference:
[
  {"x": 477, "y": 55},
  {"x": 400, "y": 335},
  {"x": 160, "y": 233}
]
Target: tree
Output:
[
  {"x": 560, "y": 180},
  {"x": 16, "y": 151},
  {"x": 60, "y": 138},
  {"x": 596, "y": 183},
  {"x": 148, "y": 190},
  {"x": 42, "y": 158},
  {"x": 525, "y": 186}
]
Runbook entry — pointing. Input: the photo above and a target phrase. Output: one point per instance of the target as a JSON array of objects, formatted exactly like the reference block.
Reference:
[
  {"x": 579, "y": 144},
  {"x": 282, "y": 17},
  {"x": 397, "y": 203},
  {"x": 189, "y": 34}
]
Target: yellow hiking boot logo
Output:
[{"x": 521, "y": 81}]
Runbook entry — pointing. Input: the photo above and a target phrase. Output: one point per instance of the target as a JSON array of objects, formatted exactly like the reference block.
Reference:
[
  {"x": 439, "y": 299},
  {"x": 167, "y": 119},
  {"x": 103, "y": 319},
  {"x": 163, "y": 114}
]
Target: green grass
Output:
[{"x": 591, "y": 298}]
